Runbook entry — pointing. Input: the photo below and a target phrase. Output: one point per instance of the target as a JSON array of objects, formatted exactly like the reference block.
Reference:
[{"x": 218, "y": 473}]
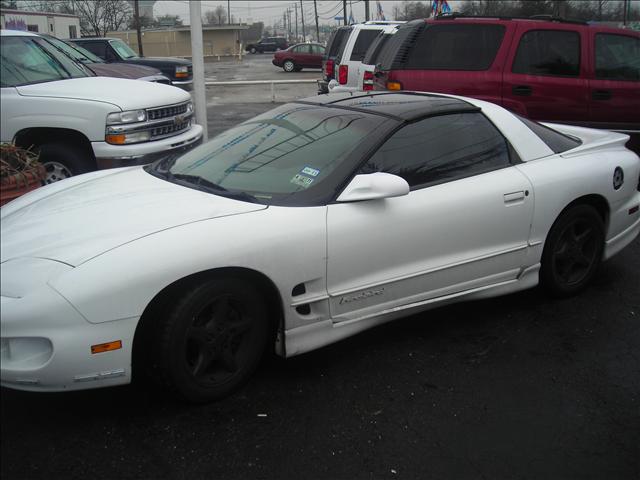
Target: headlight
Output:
[
  {"x": 189, "y": 108},
  {"x": 131, "y": 116},
  {"x": 116, "y": 137},
  {"x": 182, "y": 72}
]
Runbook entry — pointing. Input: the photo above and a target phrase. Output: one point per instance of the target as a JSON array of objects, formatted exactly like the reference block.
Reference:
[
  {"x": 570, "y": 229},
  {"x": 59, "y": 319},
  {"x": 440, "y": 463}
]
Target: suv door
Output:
[
  {"x": 354, "y": 52},
  {"x": 464, "y": 225},
  {"x": 614, "y": 86},
  {"x": 546, "y": 75}
]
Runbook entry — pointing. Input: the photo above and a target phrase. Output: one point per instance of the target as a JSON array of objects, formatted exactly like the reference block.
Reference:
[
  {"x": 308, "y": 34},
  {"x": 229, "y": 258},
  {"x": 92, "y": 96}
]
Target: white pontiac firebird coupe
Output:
[{"x": 298, "y": 228}]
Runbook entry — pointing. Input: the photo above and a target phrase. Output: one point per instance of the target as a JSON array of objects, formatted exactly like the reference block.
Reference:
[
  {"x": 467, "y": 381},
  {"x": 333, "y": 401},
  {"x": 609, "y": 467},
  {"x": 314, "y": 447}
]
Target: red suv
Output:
[{"x": 547, "y": 70}]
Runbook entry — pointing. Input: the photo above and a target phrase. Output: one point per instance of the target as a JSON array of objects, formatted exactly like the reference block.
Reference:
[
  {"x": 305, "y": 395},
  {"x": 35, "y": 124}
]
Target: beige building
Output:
[
  {"x": 57, "y": 24},
  {"x": 176, "y": 42}
]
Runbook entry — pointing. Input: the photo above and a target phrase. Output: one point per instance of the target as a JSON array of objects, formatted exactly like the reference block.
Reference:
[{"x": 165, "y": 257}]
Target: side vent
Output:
[{"x": 298, "y": 290}]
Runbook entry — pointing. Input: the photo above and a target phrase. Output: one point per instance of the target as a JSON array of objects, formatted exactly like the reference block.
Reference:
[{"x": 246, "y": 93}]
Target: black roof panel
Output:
[{"x": 402, "y": 105}]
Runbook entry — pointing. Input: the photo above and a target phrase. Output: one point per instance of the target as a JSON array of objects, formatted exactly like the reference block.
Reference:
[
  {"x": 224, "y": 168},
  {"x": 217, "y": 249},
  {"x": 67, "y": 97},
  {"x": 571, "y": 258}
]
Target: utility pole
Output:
[
  {"x": 304, "y": 35},
  {"x": 228, "y": 12},
  {"x": 197, "y": 59},
  {"x": 344, "y": 11},
  {"x": 315, "y": 8},
  {"x": 366, "y": 11},
  {"x": 296, "y": 5},
  {"x": 284, "y": 24},
  {"x": 289, "y": 21},
  {"x": 138, "y": 27}
]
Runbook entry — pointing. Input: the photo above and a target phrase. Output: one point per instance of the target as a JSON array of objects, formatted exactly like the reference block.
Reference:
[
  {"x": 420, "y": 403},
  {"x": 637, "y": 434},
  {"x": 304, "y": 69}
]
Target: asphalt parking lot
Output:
[{"x": 517, "y": 387}]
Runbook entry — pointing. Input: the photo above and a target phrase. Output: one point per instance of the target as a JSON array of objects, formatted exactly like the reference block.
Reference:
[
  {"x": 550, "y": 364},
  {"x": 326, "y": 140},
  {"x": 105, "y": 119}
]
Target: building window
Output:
[
  {"x": 32, "y": 28},
  {"x": 73, "y": 33},
  {"x": 51, "y": 27}
]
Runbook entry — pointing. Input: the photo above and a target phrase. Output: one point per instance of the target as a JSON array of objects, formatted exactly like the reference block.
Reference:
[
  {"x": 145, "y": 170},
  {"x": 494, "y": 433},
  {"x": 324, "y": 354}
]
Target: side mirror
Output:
[{"x": 374, "y": 186}]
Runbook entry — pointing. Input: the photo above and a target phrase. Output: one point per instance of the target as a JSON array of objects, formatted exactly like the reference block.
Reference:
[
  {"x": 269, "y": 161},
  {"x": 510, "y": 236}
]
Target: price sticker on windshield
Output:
[{"x": 302, "y": 181}]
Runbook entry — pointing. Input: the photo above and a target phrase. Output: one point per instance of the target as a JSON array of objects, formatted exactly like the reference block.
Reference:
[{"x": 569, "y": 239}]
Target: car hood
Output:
[
  {"x": 82, "y": 217},
  {"x": 122, "y": 70},
  {"x": 160, "y": 61},
  {"x": 124, "y": 93}
]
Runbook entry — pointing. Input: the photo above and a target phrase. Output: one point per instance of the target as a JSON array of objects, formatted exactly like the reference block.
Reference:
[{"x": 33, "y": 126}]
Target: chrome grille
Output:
[
  {"x": 168, "y": 129},
  {"x": 164, "y": 112}
]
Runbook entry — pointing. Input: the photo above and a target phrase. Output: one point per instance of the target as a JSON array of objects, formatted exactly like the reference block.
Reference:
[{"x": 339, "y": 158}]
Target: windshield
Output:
[
  {"x": 123, "y": 49},
  {"x": 26, "y": 60},
  {"x": 76, "y": 52},
  {"x": 295, "y": 154}
]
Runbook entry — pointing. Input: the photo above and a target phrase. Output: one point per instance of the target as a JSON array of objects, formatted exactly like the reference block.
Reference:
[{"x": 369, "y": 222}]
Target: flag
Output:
[
  {"x": 439, "y": 7},
  {"x": 380, "y": 13}
]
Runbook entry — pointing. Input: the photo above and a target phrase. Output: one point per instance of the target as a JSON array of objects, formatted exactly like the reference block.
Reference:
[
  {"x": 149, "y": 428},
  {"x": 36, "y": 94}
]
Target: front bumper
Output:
[
  {"x": 46, "y": 346},
  {"x": 111, "y": 156},
  {"x": 323, "y": 87},
  {"x": 186, "y": 85}
]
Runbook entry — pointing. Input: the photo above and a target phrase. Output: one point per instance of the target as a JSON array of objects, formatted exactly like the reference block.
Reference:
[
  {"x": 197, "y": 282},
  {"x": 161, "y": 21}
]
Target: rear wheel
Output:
[
  {"x": 573, "y": 251},
  {"x": 213, "y": 339},
  {"x": 288, "y": 66},
  {"x": 63, "y": 161},
  {"x": 253, "y": 50}
]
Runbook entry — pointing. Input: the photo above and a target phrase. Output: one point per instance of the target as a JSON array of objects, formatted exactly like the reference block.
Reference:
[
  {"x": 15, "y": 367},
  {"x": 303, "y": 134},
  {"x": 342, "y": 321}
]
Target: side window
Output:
[
  {"x": 548, "y": 52},
  {"x": 617, "y": 57},
  {"x": 97, "y": 48},
  {"x": 364, "y": 40},
  {"x": 456, "y": 47},
  {"x": 556, "y": 141},
  {"x": 317, "y": 49},
  {"x": 440, "y": 149}
]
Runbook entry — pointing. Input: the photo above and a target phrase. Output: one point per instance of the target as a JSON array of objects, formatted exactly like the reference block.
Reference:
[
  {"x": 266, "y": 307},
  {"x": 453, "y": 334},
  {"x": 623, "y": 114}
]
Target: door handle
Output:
[
  {"x": 514, "y": 197},
  {"x": 522, "y": 90},
  {"x": 601, "y": 95}
]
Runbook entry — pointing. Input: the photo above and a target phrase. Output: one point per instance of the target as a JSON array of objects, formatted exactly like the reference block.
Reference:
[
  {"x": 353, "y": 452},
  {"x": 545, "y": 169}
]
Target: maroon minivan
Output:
[{"x": 548, "y": 70}]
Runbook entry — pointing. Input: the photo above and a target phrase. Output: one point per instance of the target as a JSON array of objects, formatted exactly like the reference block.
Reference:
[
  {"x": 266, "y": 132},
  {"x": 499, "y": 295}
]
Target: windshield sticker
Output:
[
  {"x": 310, "y": 171},
  {"x": 302, "y": 180}
]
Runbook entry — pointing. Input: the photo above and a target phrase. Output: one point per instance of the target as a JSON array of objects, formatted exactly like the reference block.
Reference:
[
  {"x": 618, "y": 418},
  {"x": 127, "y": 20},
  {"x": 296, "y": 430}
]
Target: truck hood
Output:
[
  {"x": 123, "y": 93},
  {"x": 122, "y": 70},
  {"x": 82, "y": 217}
]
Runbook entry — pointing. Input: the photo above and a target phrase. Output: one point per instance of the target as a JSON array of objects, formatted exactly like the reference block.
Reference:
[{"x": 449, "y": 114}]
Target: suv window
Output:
[
  {"x": 441, "y": 149},
  {"x": 617, "y": 57},
  {"x": 365, "y": 37},
  {"x": 97, "y": 48},
  {"x": 336, "y": 40},
  {"x": 556, "y": 141},
  {"x": 122, "y": 49},
  {"x": 548, "y": 52},
  {"x": 374, "y": 50},
  {"x": 456, "y": 47}
]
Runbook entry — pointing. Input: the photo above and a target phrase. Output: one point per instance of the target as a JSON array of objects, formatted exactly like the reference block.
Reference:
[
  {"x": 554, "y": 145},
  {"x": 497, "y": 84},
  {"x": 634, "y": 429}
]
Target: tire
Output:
[
  {"x": 253, "y": 50},
  {"x": 212, "y": 340},
  {"x": 298, "y": 69},
  {"x": 573, "y": 251},
  {"x": 63, "y": 161},
  {"x": 288, "y": 66}
]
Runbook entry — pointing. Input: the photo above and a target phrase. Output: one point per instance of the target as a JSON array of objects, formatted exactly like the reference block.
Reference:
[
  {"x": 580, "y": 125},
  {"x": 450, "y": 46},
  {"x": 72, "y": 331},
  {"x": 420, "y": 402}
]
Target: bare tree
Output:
[
  {"x": 218, "y": 16},
  {"x": 411, "y": 10},
  {"x": 98, "y": 18}
]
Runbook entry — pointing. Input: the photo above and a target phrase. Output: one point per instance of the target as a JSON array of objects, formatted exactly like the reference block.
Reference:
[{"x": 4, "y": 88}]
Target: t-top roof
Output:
[{"x": 403, "y": 106}]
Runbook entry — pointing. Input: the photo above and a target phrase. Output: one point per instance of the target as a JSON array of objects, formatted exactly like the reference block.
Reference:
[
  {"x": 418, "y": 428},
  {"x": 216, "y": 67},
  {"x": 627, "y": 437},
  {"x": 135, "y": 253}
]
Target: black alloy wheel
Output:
[
  {"x": 214, "y": 339},
  {"x": 573, "y": 251}
]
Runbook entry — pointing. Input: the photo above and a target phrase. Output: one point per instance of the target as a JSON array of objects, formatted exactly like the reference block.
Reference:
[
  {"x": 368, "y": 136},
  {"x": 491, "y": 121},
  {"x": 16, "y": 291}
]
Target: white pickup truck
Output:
[{"x": 79, "y": 122}]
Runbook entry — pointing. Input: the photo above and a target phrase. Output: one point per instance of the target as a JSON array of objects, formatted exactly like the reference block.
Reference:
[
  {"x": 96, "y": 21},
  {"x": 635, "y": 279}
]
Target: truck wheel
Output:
[
  {"x": 253, "y": 50},
  {"x": 63, "y": 161}
]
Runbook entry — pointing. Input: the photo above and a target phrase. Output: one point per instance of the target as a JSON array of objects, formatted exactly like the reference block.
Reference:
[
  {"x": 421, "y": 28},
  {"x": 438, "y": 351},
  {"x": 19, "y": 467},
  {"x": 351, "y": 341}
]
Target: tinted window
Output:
[
  {"x": 97, "y": 48},
  {"x": 617, "y": 57},
  {"x": 336, "y": 41},
  {"x": 548, "y": 52},
  {"x": 290, "y": 152},
  {"x": 374, "y": 50},
  {"x": 363, "y": 42},
  {"x": 556, "y": 141},
  {"x": 456, "y": 47},
  {"x": 393, "y": 53},
  {"x": 440, "y": 149}
]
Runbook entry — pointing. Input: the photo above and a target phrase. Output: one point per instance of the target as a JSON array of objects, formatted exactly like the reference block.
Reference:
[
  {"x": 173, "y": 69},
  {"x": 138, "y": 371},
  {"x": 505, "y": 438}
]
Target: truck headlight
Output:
[
  {"x": 116, "y": 137},
  {"x": 131, "y": 116},
  {"x": 189, "y": 107},
  {"x": 182, "y": 72}
]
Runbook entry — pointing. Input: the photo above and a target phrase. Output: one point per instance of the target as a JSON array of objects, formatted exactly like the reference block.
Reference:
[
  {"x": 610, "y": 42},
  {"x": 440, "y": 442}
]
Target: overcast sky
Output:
[{"x": 270, "y": 11}]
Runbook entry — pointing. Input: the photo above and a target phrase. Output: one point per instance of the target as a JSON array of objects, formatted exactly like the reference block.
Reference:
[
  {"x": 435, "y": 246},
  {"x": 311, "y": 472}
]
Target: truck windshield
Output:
[
  {"x": 123, "y": 49},
  {"x": 295, "y": 154},
  {"x": 26, "y": 60}
]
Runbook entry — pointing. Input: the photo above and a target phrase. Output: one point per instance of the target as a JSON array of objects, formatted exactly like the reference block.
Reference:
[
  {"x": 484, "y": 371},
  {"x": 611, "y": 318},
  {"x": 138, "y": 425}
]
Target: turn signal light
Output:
[
  {"x": 394, "y": 86},
  {"x": 118, "y": 139},
  {"x": 182, "y": 74},
  {"x": 106, "y": 347},
  {"x": 343, "y": 74},
  {"x": 328, "y": 69},
  {"x": 367, "y": 82}
]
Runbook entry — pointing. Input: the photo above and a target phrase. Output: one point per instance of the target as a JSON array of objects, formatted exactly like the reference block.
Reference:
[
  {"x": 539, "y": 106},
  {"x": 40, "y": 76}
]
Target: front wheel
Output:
[
  {"x": 573, "y": 251},
  {"x": 213, "y": 339},
  {"x": 253, "y": 50},
  {"x": 288, "y": 66},
  {"x": 63, "y": 161}
]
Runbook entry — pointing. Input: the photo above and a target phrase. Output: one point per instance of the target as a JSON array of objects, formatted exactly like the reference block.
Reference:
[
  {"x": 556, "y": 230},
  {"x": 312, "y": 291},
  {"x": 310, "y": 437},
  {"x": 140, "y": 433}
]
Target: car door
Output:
[
  {"x": 317, "y": 52},
  {"x": 546, "y": 75},
  {"x": 614, "y": 86},
  {"x": 464, "y": 225},
  {"x": 305, "y": 55}
]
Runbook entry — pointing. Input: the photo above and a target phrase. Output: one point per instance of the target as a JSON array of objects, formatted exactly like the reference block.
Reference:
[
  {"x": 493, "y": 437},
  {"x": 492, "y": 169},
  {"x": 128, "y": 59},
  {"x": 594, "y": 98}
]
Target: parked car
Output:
[
  {"x": 78, "y": 122},
  {"x": 178, "y": 70},
  {"x": 269, "y": 44},
  {"x": 403, "y": 202},
  {"x": 548, "y": 70},
  {"x": 101, "y": 68},
  {"x": 297, "y": 57},
  {"x": 349, "y": 70}
]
